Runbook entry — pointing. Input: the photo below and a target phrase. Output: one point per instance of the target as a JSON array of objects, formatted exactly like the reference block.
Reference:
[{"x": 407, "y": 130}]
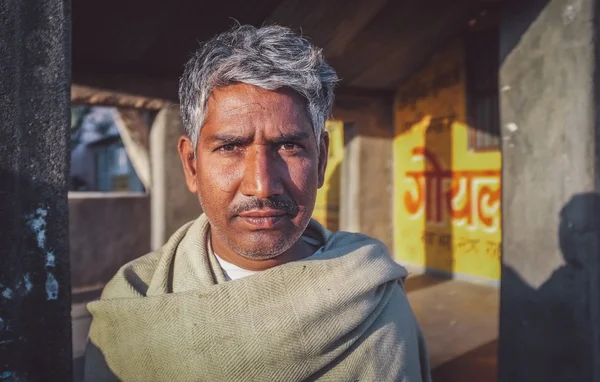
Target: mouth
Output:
[{"x": 262, "y": 219}]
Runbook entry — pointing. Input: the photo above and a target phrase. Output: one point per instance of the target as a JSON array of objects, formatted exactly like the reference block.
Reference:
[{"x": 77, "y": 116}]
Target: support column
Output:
[
  {"x": 35, "y": 325},
  {"x": 172, "y": 203},
  {"x": 367, "y": 168},
  {"x": 550, "y": 288}
]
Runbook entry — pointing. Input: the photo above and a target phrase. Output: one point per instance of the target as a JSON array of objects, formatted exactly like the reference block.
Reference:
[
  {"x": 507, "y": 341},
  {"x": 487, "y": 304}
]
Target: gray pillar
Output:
[
  {"x": 172, "y": 204},
  {"x": 35, "y": 326},
  {"x": 550, "y": 288}
]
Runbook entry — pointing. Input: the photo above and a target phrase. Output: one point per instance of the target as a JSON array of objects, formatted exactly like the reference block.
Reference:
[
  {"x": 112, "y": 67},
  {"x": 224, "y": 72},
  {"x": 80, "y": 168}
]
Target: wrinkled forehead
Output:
[{"x": 242, "y": 105}]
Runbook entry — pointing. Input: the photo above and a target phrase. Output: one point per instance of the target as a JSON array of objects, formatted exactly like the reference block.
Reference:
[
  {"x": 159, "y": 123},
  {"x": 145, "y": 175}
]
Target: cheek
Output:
[
  {"x": 304, "y": 181},
  {"x": 216, "y": 179}
]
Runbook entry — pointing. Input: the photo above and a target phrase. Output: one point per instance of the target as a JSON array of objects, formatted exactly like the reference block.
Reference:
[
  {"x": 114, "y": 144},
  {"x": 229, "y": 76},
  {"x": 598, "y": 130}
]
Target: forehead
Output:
[{"x": 242, "y": 105}]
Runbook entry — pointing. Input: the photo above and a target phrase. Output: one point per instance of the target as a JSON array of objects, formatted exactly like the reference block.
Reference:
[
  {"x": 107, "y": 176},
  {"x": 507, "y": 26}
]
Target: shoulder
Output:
[
  {"x": 369, "y": 249},
  {"x": 353, "y": 239},
  {"x": 339, "y": 238},
  {"x": 133, "y": 278}
]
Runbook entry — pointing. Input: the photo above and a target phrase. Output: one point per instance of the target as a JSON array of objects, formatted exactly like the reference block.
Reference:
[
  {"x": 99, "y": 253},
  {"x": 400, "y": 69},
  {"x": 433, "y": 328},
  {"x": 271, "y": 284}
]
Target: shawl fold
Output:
[{"x": 339, "y": 316}]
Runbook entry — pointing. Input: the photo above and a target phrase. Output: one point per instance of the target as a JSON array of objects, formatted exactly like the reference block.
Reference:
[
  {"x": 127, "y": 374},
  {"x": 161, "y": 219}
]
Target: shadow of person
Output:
[{"x": 546, "y": 334}]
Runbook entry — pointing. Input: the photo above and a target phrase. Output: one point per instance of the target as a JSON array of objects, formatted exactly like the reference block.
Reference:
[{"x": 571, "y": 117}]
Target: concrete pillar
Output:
[
  {"x": 172, "y": 203},
  {"x": 367, "y": 168},
  {"x": 550, "y": 288},
  {"x": 35, "y": 326}
]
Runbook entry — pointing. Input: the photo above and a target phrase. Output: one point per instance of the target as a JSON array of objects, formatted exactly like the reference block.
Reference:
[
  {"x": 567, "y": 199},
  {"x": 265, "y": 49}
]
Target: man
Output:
[{"x": 254, "y": 289}]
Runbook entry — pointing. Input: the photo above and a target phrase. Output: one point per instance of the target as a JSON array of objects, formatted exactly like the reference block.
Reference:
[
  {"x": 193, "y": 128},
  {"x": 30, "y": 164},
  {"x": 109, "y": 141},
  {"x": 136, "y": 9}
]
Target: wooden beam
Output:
[
  {"x": 415, "y": 44},
  {"x": 343, "y": 91},
  {"x": 401, "y": 33},
  {"x": 86, "y": 95},
  {"x": 129, "y": 83},
  {"x": 358, "y": 14},
  {"x": 332, "y": 24}
]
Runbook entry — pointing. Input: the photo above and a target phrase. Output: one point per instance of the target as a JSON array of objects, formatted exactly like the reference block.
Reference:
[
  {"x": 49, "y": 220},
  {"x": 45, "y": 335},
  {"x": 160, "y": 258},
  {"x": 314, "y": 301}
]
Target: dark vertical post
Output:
[
  {"x": 35, "y": 325},
  {"x": 550, "y": 288}
]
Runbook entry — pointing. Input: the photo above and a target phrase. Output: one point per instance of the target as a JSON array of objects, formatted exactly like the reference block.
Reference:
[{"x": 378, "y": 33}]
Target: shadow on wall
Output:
[
  {"x": 561, "y": 298},
  {"x": 553, "y": 321},
  {"x": 333, "y": 200},
  {"x": 437, "y": 240},
  {"x": 329, "y": 199},
  {"x": 529, "y": 308}
]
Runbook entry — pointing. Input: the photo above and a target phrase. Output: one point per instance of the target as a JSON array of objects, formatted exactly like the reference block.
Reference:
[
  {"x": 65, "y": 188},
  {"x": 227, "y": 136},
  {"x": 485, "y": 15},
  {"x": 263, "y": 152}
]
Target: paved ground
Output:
[
  {"x": 459, "y": 320},
  {"x": 80, "y": 324},
  {"x": 460, "y": 323}
]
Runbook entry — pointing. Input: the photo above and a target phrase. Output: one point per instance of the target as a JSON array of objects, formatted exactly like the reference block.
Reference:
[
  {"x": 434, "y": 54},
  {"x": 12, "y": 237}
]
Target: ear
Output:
[
  {"x": 186, "y": 150},
  {"x": 323, "y": 156}
]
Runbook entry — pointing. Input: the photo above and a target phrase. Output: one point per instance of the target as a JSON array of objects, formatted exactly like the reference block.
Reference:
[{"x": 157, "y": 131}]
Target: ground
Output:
[{"x": 460, "y": 324}]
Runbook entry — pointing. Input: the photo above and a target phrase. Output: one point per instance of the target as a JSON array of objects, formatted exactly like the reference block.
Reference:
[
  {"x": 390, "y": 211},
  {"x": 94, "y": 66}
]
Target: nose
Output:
[{"x": 262, "y": 177}]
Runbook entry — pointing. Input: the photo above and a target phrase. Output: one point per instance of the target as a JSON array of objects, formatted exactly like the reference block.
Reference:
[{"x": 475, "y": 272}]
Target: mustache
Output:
[{"x": 260, "y": 204}]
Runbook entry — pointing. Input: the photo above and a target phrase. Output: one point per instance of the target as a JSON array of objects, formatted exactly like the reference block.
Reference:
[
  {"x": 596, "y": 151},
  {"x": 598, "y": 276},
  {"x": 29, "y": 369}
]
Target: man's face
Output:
[{"x": 257, "y": 169}]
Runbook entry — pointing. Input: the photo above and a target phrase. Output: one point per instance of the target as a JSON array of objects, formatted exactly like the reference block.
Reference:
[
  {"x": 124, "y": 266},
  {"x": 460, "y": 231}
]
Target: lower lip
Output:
[{"x": 262, "y": 222}]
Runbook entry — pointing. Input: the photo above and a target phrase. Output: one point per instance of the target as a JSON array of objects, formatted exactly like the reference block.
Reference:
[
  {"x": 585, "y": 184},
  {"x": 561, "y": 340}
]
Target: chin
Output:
[{"x": 263, "y": 246}]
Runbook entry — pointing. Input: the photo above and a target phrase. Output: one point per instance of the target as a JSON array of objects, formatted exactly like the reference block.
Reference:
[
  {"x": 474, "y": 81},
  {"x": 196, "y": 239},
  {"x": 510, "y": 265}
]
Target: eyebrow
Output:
[
  {"x": 237, "y": 140},
  {"x": 291, "y": 137},
  {"x": 229, "y": 139}
]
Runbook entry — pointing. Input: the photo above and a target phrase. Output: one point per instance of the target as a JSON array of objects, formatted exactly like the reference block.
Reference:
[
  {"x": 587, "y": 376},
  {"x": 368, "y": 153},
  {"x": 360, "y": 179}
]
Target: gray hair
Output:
[{"x": 271, "y": 57}]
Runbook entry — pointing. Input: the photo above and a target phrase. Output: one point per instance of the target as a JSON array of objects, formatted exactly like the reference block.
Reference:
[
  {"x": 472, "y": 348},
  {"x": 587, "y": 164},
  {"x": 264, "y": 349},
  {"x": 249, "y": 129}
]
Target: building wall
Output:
[
  {"x": 106, "y": 230},
  {"x": 114, "y": 171},
  {"x": 327, "y": 205},
  {"x": 366, "y": 169},
  {"x": 447, "y": 196}
]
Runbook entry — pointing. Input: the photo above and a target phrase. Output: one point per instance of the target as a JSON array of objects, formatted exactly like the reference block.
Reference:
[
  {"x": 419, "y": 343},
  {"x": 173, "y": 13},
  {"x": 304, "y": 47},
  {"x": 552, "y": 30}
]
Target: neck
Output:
[{"x": 298, "y": 251}]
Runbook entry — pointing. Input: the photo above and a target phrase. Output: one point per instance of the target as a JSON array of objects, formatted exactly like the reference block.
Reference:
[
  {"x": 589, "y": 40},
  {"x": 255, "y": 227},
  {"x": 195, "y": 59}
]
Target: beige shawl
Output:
[{"x": 340, "y": 316}]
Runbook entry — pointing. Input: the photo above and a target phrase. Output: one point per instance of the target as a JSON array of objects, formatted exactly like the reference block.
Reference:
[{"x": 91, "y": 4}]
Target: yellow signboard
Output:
[
  {"x": 447, "y": 198},
  {"x": 327, "y": 206}
]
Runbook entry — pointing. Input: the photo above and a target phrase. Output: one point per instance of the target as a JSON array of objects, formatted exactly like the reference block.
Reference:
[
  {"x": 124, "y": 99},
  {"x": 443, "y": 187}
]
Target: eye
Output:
[
  {"x": 227, "y": 148},
  {"x": 289, "y": 146}
]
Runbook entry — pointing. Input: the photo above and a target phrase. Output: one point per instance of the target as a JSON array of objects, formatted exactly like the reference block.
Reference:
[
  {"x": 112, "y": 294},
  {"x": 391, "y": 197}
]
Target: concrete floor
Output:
[
  {"x": 459, "y": 320},
  {"x": 80, "y": 326},
  {"x": 460, "y": 324}
]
